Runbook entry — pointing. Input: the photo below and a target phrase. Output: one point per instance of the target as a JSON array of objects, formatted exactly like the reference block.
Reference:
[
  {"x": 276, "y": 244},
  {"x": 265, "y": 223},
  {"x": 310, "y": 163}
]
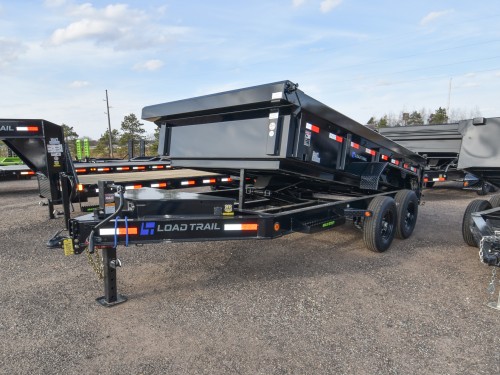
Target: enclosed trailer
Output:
[
  {"x": 300, "y": 166},
  {"x": 480, "y": 155}
]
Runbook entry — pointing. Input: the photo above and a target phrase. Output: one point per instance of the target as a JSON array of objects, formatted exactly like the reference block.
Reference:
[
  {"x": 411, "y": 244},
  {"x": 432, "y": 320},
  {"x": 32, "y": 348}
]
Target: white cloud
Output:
[
  {"x": 327, "y": 5},
  {"x": 150, "y": 65},
  {"x": 432, "y": 16},
  {"x": 79, "y": 84},
  {"x": 115, "y": 25},
  {"x": 298, "y": 3}
]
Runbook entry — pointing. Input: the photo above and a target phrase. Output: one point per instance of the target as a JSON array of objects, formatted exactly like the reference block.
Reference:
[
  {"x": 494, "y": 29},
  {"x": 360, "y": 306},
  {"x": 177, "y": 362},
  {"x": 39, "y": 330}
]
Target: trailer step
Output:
[{"x": 318, "y": 225}]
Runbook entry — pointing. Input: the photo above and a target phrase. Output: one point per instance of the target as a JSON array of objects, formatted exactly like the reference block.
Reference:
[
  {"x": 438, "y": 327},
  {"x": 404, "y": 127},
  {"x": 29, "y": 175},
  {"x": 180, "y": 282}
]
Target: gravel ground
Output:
[{"x": 302, "y": 304}]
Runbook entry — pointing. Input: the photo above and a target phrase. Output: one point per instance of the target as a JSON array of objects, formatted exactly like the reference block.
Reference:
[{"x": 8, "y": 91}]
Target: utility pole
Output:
[
  {"x": 109, "y": 127},
  {"x": 449, "y": 99}
]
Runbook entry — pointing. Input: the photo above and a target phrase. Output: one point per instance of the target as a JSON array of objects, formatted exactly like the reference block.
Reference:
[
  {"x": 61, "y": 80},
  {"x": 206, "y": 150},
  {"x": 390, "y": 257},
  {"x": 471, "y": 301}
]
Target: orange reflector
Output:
[
  {"x": 137, "y": 186},
  {"x": 159, "y": 185},
  {"x": 103, "y": 169},
  {"x": 158, "y": 166},
  {"x": 426, "y": 179},
  {"x": 210, "y": 181},
  {"x": 27, "y": 128},
  {"x": 354, "y": 145},
  {"x": 466, "y": 183},
  {"x": 27, "y": 172},
  {"x": 277, "y": 226},
  {"x": 80, "y": 170},
  {"x": 368, "y": 214},
  {"x": 226, "y": 179},
  {"x": 188, "y": 183},
  {"x": 141, "y": 167},
  {"x": 122, "y": 168}
]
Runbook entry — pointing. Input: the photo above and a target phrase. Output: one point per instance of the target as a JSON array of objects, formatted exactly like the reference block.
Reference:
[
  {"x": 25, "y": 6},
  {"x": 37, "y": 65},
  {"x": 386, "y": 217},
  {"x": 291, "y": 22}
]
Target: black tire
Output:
[
  {"x": 429, "y": 184},
  {"x": 476, "y": 205},
  {"x": 407, "y": 209},
  {"x": 485, "y": 189},
  {"x": 379, "y": 229},
  {"x": 495, "y": 201}
]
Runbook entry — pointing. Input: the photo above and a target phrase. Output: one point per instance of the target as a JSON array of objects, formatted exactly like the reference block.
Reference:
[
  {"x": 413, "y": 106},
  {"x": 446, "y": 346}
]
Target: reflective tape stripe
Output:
[
  {"x": 119, "y": 231},
  {"x": 241, "y": 226}
]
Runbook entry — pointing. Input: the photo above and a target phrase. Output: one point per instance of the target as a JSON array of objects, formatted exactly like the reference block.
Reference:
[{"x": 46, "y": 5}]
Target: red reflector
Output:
[
  {"x": 371, "y": 152},
  {"x": 312, "y": 128},
  {"x": 394, "y": 161},
  {"x": 407, "y": 166},
  {"x": 354, "y": 145},
  {"x": 335, "y": 137},
  {"x": 384, "y": 157},
  {"x": 426, "y": 179}
]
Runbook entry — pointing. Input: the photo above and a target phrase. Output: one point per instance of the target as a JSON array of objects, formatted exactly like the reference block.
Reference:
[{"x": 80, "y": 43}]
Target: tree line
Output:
[{"x": 422, "y": 117}]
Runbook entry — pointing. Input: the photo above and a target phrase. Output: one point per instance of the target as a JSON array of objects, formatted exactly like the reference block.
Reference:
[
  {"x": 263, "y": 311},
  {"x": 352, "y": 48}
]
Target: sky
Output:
[{"x": 362, "y": 58}]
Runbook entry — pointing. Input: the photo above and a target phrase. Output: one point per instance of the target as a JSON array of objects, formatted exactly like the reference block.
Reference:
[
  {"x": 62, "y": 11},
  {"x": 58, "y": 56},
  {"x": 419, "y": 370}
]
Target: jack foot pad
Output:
[{"x": 119, "y": 299}]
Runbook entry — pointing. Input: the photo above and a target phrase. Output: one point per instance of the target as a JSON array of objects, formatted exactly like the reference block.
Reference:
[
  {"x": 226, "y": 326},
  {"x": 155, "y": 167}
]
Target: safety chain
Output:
[{"x": 96, "y": 263}]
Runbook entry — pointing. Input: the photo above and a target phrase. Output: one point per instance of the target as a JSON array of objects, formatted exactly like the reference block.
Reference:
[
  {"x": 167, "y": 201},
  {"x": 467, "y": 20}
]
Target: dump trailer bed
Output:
[
  {"x": 278, "y": 133},
  {"x": 438, "y": 143}
]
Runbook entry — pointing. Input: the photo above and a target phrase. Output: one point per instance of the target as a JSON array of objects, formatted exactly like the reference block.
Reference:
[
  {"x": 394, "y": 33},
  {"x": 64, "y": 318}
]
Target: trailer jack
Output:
[{"x": 110, "y": 264}]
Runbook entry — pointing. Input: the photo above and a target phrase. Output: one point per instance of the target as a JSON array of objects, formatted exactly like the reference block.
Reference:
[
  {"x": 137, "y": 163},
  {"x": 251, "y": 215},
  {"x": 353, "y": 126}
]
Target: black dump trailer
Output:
[
  {"x": 480, "y": 155},
  {"x": 300, "y": 166},
  {"x": 440, "y": 145}
]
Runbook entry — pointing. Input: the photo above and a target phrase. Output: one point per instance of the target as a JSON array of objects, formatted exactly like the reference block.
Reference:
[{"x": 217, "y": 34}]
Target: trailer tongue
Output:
[{"x": 301, "y": 167}]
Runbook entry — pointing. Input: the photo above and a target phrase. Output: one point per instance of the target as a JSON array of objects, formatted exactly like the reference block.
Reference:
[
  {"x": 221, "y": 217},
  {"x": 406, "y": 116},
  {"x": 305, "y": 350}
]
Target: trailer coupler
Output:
[{"x": 489, "y": 250}]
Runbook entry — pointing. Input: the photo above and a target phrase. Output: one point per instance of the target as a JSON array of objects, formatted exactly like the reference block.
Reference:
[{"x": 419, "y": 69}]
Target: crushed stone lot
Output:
[{"x": 301, "y": 304}]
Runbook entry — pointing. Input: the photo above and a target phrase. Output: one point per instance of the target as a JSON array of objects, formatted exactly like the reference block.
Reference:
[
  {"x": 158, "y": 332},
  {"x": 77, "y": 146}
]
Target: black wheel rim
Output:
[
  {"x": 387, "y": 226},
  {"x": 410, "y": 216}
]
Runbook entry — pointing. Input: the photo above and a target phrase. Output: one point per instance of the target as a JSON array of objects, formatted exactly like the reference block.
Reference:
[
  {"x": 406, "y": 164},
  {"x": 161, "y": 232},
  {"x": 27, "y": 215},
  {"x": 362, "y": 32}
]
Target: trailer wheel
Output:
[
  {"x": 407, "y": 208},
  {"x": 485, "y": 189},
  {"x": 477, "y": 205},
  {"x": 379, "y": 229},
  {"x": 495, "y": 201}
]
